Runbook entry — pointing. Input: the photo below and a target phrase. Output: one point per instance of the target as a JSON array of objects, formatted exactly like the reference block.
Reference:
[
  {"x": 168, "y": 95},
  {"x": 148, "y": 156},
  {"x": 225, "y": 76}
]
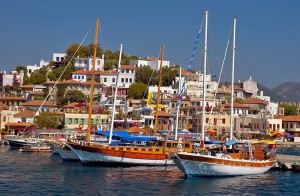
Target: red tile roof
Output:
[
  {"x": 25, "y": 113},
  {"x": 236, "y": 105},
  {"x": 4, "y": 106},
  {"x": 12, "y": 99},
  {"x": 27, "y": 86},
  {"x": 255, "y": 101},
  {"x": 19, "y": 124},
  {"x": 164, "y": 114},
  {"x": 151, "y": 59},
  {"x": 89, "y": 72},
  {"x": 288, "y": 118},
  {"x": 39, "y": 103},
  {"x": 37, "y": 93},
  {"x": 130, "y": 67}
]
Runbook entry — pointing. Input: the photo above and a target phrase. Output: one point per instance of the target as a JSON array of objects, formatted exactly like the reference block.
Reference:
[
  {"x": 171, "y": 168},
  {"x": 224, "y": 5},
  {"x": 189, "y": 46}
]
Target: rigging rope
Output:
[
  {"x": 220, "y": 76},
  {"x": 60, "y": 76},
  {"x": 186, "y": 76}
]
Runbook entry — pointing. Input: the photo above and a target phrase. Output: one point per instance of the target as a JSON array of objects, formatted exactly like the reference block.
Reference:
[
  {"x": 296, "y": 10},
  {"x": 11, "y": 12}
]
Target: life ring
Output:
[{"x": 80, "y": 126}]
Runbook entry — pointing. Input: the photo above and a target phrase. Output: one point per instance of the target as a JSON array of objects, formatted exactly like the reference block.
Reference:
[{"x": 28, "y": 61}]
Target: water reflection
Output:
[{"x": 36, "y": 174}]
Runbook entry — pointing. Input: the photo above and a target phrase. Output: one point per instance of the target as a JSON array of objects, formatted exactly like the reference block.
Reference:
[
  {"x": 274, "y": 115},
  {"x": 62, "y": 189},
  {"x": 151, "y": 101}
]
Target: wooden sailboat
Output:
[
  {"x": 243, "y": 158},
  {"x": 151, "y": 153}
]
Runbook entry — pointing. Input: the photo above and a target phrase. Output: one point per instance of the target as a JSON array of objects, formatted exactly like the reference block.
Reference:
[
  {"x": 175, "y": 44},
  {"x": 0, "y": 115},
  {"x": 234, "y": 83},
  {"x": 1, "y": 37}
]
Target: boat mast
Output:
[
  {"x": 179, "y": 89},
  {"x": 158, "y": 90},
  {"x": 204, "y": 80},
  {"x": 92, "y": 82},
  {"x": 232, "y": 80},
  {"x": 115, "y": 97}
]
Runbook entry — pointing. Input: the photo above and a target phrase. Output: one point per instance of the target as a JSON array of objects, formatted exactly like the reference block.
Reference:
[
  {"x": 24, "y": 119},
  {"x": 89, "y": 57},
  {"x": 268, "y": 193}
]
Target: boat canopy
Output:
[
  {"x": 228, "y": 143},
  {"x": 124, "y": 135}
]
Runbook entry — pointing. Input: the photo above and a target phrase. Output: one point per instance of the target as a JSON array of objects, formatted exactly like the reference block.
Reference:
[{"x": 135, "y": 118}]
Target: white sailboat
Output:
[{"x": 242, "y": 159}]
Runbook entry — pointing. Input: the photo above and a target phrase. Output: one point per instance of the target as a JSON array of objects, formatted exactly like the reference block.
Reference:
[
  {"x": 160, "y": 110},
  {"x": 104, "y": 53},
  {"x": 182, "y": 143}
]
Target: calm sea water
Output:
[{"x": 30, "y": 173}]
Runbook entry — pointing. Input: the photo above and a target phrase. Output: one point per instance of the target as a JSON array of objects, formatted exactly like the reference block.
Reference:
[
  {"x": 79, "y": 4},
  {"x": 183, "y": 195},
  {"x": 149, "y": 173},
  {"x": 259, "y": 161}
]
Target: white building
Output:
[
  {"x": 7, "y": 79},
  {"x": 153, "y": 62},
  {"x": 108, "y": 78},
  {"x": 87, "y": 63},
  {"x": 33, "y": 68},
  {"x": 250, "y": 86},
  {"x": 56, "y": 57},
  {"x": 194, "y": 83}
]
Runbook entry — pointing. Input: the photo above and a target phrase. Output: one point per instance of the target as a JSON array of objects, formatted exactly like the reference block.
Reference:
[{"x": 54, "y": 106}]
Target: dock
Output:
[
  {"x": 285, "y": 162},
  {"x": 288, "y": 144}
]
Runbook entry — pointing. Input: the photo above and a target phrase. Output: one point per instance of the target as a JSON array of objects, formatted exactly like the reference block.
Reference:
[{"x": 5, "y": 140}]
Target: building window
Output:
[
  {"x": 130, "y": 80},
  {"x": 98, "y": 62},
  {"x": 114, "y": 80},
  {"x": 105, "y": 79},
  {"x": 223, "y": 121},
  {"x": 76, "y": 121},
  {"x": 126, "y": 80},
  {"x": 127, "y": 70},
  {"x": 70, "y": 120},
  {"x": 122, "y": 79},
  {"x": 75, "y": 77},
  {"x": 82, "y": 121}
]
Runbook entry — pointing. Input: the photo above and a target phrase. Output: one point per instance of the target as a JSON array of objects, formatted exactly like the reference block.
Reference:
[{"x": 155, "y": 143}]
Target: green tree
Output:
[
  {"x": 82, "y": 52},
  {"x": 75, "y": 96},
  {"x": 25, "y": 78},
  {"x": 137, "y": 90},
  {"x": 99, "y": 50},
  {"x": 39, "y": 76},
  {"x": 47, "y": 120},
  {"x": 290, "y": 110},
  {"x": 60, "y": 95},
  {"x": 169, "y": 75},
  {"x": 126, "y": 59},
  {"x": 54, "y": 75},
  {"x": 143, "y": 75},
  {"x": 239, "y": 100}
]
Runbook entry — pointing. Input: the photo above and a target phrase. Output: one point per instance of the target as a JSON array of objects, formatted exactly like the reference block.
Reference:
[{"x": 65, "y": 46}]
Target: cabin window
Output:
[
  {"x": 174, "y": 145},
  {"x": 113, "y": 148},
  {"x": 150, "y": 150},
  {"x": 136, "y": 149},
  {"x": 157, "y": 150},
  {"x": 143, "y": 149},
  {"x": 120, "y": 148},
  {"x": 169, "y": 145},
  {"x": 187, "y": 145},
  {"x": 128, "y": 148}
]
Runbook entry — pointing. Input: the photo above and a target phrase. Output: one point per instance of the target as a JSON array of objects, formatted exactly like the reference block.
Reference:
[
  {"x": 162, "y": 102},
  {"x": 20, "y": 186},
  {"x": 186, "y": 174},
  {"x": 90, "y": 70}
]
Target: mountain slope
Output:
[
  {"x": 290, "y": 91},
  {"x": 275, "y": 95}
]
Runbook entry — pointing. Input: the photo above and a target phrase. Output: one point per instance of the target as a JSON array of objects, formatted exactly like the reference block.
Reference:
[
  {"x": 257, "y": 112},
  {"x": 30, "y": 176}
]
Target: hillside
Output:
[
  {"x": 275, "y": 95},
  {"x": 289, "y": 91}
]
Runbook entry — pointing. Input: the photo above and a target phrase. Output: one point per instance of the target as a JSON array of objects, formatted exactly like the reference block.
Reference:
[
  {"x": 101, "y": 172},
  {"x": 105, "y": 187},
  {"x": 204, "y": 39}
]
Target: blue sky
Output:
[{"x": 268, "y": 32}]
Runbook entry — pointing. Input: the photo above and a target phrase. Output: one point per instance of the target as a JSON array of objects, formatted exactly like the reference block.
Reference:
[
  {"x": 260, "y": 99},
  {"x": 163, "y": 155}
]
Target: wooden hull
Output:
[
  {"x": 206, "y": 165},
  {"x": 102, "y": 155},
  {"x": 35, "y": 149}
]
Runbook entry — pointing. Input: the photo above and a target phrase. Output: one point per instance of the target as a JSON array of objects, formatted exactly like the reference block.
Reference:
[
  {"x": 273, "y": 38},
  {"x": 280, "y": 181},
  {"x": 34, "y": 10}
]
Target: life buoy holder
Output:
[{"x": 80, "y": 126}]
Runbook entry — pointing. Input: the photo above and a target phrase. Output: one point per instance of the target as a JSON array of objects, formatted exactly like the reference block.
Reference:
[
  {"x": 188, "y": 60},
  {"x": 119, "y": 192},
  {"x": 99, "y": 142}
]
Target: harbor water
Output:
[{"x": 29, "y": 173}]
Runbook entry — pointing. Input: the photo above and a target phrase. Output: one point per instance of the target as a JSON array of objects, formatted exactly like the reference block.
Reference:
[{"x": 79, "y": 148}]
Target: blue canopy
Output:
[
  {"x": 124, "y": 135},
  {"x": 228, "y": 143}
]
